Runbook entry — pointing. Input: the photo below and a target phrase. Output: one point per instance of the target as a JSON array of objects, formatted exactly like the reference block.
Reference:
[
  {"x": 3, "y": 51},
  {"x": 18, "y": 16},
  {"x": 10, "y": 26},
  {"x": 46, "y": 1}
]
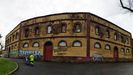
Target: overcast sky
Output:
[{"x": 12, "y": 12}]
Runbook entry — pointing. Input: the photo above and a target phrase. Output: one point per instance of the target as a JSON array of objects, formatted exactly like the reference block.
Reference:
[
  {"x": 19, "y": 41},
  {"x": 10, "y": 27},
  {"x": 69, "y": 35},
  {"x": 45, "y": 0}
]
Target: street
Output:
[{"x": 54, "y": 68}]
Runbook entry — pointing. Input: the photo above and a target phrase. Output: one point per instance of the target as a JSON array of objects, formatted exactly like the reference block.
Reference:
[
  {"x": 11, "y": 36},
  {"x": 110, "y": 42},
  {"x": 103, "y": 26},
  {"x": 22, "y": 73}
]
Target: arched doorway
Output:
[
  {"x": 48, "y": 51},
  {"x": 116, "y": 54}
]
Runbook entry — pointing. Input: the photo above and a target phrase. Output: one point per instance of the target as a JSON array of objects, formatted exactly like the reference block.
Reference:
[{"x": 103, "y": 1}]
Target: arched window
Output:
[
  {"x": 62, "y": 43},
  {"x": 49, "y": 29},
  {"x": 26, "y": 32},
  {"x": 35, "y": 44},
  {"x": 37, "y": 30},
  {"x": 97, "y": 45},
  {"x": 122, "y": 50},
  {"x": 63, "y": 27},
  {"x": 97, "y": 30},
  {"x": 25, "y": 45},
  {"x": 77, "y": 27},
  {"x": 127, "y": 51},
  {"x": 107, "y": 47},
  {"x": 107, "y": 34},
  {"x": 77, "y": 43}
]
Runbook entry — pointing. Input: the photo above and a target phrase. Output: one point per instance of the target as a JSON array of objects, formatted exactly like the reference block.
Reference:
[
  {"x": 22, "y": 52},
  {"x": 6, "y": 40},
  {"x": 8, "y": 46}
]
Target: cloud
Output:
[
  {"x": 123, "y": 20},
  {"x": 12, "y": 12}
]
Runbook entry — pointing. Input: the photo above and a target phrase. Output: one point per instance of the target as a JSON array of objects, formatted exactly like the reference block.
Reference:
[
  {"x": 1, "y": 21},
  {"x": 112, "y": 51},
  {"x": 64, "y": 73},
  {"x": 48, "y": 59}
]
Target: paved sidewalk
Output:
[{"x": 51, "y": 68}]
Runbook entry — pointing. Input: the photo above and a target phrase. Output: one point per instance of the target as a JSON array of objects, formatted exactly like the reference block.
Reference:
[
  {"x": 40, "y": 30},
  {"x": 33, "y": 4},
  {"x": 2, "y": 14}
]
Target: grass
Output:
[{"x": 6, "y": 66}]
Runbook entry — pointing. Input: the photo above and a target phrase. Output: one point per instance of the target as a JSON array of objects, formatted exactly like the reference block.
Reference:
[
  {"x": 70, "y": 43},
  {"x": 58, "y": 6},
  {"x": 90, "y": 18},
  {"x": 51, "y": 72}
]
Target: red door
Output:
[
  {"x": 48, "y": 51},
  {"x": 116, "y": 54}
]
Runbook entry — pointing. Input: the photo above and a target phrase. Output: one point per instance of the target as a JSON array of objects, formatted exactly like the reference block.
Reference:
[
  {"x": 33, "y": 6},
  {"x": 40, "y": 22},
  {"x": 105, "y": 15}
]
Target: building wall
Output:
[
  {"x": 69, "y": 36},
  {"x": 87, "y": 38},
  {"x": 43, "y": 31},
  {"x": 67, "y": 51},
  {"x": 108, "y": 53},
  {"x": 12, "y": 42},
  {"x": 103, "y": 40}
]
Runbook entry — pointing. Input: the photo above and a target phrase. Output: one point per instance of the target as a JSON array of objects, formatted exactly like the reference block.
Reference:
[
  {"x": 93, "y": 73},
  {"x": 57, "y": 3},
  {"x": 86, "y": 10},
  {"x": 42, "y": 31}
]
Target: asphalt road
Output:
[{"x": 52, "y": 68}]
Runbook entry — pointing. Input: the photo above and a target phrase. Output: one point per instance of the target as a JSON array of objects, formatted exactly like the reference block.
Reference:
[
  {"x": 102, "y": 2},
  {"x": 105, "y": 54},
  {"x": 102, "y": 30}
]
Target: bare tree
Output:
[{"x": 127, "y": 4}]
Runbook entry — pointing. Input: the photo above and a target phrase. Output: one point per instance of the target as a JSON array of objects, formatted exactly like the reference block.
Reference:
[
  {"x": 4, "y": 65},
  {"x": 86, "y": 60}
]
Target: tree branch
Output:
[{"x": 124, "y": 7}]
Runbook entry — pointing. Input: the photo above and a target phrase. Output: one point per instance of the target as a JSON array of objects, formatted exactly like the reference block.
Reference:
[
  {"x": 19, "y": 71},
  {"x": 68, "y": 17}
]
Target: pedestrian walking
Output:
[{"x": 27, "y": 60}]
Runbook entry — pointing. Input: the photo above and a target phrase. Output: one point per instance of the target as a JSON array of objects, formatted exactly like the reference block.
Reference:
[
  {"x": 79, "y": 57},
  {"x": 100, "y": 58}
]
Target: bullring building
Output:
[{"x": 77, "y": 37}]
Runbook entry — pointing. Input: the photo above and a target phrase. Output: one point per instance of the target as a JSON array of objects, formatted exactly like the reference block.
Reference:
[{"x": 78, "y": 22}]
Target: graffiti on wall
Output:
[
  {"x": 60, "y": 50},
  {"x": 13, "y": 53},
  {"x": 36, "y": 53}
]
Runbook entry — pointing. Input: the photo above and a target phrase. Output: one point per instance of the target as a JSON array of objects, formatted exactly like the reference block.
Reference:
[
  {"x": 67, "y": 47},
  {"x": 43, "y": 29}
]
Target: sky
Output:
[{"x": 12, "y": 12}]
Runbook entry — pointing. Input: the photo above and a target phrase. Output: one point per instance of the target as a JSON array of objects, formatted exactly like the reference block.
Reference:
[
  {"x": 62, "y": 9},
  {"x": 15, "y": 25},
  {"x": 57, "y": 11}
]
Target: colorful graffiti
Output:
[
  {"x": 14, "y": 53},
  {"x": 36, "y": 53}
]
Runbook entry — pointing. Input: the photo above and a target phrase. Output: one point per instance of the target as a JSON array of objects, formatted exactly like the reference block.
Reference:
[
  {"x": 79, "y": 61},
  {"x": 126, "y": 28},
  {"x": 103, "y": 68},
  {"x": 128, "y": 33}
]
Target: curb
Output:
[{"x": 14, "y": 69}]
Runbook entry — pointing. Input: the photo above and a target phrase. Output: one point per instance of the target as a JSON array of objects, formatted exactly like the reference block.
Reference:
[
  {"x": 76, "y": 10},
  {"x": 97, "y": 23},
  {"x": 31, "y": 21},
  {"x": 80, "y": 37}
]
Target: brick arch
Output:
[
  {"x": 48, "y": 51},
  {"x": 116, "y": 54}
]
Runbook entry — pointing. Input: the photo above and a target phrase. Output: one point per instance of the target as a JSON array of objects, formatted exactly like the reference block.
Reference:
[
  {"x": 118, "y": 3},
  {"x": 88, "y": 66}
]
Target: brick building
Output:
[{"x": 79, "y": 36}]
